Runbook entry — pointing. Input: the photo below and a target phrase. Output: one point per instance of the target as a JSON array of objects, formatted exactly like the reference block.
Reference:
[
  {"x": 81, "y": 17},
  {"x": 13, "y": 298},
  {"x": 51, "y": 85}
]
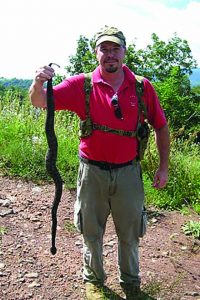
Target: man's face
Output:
[{"x": 110, "y": 56}]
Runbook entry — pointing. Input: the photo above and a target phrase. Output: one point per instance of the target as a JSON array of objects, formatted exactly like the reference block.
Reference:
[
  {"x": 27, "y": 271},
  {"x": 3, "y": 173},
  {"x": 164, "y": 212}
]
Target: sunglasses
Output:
[{"x": 115, "y": 104}]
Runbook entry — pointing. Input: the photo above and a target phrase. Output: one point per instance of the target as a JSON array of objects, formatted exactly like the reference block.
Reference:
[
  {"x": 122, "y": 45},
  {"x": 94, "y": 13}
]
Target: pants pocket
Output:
[{"x": 143, "y": 225}]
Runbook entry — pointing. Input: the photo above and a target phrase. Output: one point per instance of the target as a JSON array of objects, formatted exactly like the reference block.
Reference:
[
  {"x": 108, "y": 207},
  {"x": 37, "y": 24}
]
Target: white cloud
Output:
[{"x": 37, "y": 32}]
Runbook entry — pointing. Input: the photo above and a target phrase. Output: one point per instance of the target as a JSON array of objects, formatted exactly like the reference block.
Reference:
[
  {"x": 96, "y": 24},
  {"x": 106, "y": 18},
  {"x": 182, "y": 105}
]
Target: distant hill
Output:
[
  {"x": 21, "y": 83},
  {"x": 25, "y": 83}
]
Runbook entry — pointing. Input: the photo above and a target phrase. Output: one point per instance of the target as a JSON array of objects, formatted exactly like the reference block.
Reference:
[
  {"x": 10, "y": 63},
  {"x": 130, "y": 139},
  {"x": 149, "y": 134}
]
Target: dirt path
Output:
[{"x": 170, "y": 261}]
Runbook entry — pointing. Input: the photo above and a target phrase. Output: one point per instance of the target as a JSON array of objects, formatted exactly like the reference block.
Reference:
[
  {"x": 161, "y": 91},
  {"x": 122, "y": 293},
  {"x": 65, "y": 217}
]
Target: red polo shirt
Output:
[{"x": 103, "y": 146}]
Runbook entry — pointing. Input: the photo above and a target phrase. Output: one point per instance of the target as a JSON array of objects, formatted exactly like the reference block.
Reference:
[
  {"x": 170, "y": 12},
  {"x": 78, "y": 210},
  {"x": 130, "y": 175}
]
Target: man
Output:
[{"x": 109, "y": 177}]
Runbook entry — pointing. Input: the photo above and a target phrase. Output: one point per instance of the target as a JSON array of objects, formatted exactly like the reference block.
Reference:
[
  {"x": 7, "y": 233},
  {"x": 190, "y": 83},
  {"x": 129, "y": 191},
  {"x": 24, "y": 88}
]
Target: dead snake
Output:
[{"x": 51, "y": 157}]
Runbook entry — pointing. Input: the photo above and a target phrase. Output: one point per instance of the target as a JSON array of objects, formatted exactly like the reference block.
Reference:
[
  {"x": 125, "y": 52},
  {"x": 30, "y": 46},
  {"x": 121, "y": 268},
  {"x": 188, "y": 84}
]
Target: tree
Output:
[
  {"x": 154, "y": 62},
  {"x": 181, "y": 106},
  {"x": 84, "y": 60},
  {"x": 157, "y": 60}
]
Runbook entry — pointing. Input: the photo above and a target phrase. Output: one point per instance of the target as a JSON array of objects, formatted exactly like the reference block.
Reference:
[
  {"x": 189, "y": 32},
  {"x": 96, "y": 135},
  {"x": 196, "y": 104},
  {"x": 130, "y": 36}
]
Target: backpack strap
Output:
[
  {"x": 104, "y": 128},
  {"x": 87, "y": 89},
  {"x": 143, "y": 130},
  {"x": 140, "y": 92},
  {"x": 87, "y": 126}
]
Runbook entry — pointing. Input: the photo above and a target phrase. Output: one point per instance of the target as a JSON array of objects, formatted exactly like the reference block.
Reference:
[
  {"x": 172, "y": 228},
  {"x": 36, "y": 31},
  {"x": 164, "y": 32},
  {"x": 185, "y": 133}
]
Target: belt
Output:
[{"x": 105, "y": 165}]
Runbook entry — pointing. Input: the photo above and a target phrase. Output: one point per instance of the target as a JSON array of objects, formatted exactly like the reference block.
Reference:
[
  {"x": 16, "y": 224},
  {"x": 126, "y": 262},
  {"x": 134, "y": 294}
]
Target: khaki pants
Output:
[{"x": 99, "y": 193}]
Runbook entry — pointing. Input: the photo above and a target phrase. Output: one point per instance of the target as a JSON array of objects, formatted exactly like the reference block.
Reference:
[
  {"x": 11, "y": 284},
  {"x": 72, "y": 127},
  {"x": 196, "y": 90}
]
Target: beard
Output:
[{"x": 111, "y": 68}]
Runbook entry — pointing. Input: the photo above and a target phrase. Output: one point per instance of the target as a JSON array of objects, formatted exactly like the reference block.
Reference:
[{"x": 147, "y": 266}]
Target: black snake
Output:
[{"x": 51, "y": 157}]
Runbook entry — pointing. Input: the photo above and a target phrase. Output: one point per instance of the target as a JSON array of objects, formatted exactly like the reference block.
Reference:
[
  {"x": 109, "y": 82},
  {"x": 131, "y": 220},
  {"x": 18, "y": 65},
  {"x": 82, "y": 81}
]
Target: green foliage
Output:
[
  {"x": 84, "y": 60},
  {"x": 23, "y": 141},
  {"x": 196, "y": 207},
  {"x": 69, "y": 227},
  {"x": 3, "y": 230},
  {"x": 154, "y": 62},
  {"x": 153, "y": 287},
  {"x": 134, "y": 59},
  {"x": 58, "y": 78},
  {"x": 158, "y": 58},
  {"x": 184, "y": 172},
  {"x": 184, "y": 185},
  {"x": 68, "y": 142},
  {"x": 192, "y": 228},
  {"x": 175, "y": 97},
  {"x": 185, "y": 210}
]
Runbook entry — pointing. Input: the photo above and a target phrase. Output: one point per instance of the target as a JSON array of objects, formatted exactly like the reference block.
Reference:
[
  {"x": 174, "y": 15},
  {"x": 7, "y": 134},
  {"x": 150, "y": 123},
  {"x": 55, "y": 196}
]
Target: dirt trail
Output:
[{"x": 170, "y": 261}]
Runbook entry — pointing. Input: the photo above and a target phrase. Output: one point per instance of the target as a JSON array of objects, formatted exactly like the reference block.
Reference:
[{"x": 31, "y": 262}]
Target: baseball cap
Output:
[{"x": 110, "y": 34}]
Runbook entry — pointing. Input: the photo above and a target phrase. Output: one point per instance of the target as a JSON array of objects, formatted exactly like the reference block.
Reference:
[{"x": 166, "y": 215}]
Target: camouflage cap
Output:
[{"x": 110, "y": 34}]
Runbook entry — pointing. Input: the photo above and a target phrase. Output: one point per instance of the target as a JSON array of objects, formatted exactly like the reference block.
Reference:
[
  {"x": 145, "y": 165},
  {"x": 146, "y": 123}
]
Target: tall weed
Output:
[
  {"x": 184, "y": 172},
  {"x": 23, "y": 142}
]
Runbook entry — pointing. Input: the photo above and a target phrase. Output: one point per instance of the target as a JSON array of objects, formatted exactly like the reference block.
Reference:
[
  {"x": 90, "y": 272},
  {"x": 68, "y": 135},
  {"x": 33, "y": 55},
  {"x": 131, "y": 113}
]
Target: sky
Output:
[{"x": 37, "y": 32}]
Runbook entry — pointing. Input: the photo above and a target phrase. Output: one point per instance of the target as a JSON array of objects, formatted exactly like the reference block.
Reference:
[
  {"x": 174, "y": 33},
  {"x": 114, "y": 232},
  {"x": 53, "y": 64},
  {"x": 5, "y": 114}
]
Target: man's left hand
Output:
[{"x": 160, "y": 179}]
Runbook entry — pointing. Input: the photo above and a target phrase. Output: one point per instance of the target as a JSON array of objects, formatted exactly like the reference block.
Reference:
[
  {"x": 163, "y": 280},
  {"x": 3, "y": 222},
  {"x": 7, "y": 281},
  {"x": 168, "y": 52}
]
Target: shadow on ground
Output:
[{"x": 111, "y": 295}]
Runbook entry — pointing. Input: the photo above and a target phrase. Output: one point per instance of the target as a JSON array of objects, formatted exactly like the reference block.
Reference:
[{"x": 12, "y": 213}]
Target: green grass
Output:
[
  {"x": 3, "y": 230},
  {"x": 24, "y": 146},
  {"x": 192, "y": 228},
  {"x": 23, "y": 149},
  {"x": 70, "y": 227},
  {"x": 153, "y": 287},
  {"x": 183, "y": 188}
]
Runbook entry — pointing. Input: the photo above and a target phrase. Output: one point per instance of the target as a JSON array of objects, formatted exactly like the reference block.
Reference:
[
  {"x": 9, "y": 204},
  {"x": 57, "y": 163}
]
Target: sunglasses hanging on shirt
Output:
[{"x": 115, "y": 104}]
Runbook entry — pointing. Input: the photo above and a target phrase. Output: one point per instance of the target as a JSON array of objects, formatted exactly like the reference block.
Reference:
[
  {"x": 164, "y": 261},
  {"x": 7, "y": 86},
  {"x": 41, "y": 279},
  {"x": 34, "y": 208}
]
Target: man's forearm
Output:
[
  {"x": 37, "y": 95},
  {"x": 163, "y": 145}
]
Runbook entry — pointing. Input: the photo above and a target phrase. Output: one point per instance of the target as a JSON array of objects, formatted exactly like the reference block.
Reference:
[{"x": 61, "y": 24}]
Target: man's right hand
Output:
[
  {"x": 43, "y": 74},
  {"x": 37, "y": 93}
]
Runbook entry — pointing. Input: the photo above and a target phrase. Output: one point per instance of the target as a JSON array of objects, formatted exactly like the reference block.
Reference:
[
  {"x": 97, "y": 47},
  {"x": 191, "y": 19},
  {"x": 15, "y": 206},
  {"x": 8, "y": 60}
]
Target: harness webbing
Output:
[
  {"x": 115, "y": 131},
  {"x": 139, "y": 92},
  {"x": 87, "y": 89},
  {"x": 141, "y": 107}
]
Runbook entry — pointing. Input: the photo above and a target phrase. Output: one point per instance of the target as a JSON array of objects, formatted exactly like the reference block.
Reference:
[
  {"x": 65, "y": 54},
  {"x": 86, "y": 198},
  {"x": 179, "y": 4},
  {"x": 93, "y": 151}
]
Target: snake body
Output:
[{"x": 51, "y": 157}]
